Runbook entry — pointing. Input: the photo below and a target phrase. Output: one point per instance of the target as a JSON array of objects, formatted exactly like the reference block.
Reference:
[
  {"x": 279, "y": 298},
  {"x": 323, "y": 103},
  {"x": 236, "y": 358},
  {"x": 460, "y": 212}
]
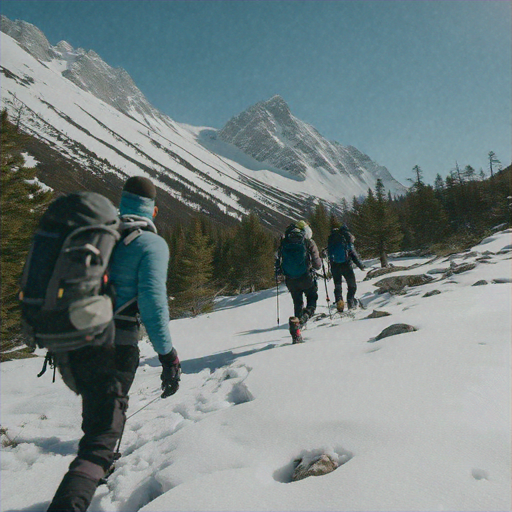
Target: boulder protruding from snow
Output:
[
  {"x": 458, "y": 269},
  {"x": 378, "y": 314},
  {"x": 320, "y": 465},
  {"x": 431, "y": 293},
  {"x": 395, "y": 329},
  {"x": 396, "y": 284}
]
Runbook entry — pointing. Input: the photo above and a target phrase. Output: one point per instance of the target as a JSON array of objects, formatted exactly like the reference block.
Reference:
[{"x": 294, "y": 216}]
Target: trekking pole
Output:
[
  {"x": 128, "y": 417},
  {"x": 326, "y": 292},
  {"x": 117, "y": 453},
  {"x": 277, "y": 297}
]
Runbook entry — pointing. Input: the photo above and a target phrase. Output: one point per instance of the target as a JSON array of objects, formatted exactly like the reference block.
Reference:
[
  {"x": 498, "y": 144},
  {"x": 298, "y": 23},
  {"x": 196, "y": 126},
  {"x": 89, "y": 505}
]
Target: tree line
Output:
[
  {"x": 208, "y": 260},
  {"x": 23, "y": 202},
  {"x": 451, "y": 215}
]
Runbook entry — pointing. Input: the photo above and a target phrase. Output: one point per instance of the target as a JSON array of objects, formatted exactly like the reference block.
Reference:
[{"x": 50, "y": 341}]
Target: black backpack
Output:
[
  {"x": 338, "y": 245},
  {"x": 293, "y": 252},
  {"x": 66, "y": 298}
]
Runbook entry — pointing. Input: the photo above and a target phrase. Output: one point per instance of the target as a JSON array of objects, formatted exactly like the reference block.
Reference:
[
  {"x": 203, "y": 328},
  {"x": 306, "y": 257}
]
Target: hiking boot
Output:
[
  {"x": 307, "y": 313},
  {"x": 352, "y": 304},
  {"x": 340, "y": 306},
  {"x": 303, "y": 318},
  {"x": 294, "y": 324}
]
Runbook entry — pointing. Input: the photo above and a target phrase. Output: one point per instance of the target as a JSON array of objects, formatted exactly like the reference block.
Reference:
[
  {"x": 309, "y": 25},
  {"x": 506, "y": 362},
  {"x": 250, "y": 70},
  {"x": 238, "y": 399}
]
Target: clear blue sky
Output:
[{"x": 409, "y": 82}]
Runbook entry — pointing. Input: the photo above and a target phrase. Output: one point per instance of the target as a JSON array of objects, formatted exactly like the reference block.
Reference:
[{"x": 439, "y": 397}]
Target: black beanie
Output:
[{"x": 140, "y": 186}]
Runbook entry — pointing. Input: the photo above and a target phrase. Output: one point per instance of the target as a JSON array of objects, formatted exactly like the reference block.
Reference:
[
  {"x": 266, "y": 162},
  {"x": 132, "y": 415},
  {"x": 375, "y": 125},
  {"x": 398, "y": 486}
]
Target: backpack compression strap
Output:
[{"x": 118, "y": 313}]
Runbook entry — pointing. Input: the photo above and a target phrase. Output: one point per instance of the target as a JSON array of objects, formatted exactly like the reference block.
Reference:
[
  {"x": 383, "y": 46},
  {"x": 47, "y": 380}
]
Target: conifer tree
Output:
[
  {"x": 426, "y": 216},
  {"x": 320, "y": 225},
  {"x": 439, "y": 188},
  {"x": 176, "y": 241},
  {"x": 222, "y": 265},
  {"x": 469, "y": 173},
  {"x": 345, "y": 212},
  {"x": 22, "y": 203},
  {"x": 494, "y": 163},
  {"x": 377, "y": 228},
  {"x": 252, "y": 255},
  {"x": 418, "y": 176},
  {"x": 195, "y": 272}
]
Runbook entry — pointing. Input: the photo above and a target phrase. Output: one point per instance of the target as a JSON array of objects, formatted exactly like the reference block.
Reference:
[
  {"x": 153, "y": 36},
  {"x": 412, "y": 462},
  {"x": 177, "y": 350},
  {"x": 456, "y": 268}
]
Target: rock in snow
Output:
[
  {"x": 398, "y": 283},
  {"x": 394, "y": 329},
  {"x": 378, "y": 314},
  {"x": 431, "y": 293},
  {"x": 318, "y": 466}
]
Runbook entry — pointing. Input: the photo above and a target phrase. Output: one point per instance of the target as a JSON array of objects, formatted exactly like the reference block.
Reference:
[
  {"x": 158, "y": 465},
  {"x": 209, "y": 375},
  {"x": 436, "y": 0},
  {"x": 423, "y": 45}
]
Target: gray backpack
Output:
[{"x": 66, "y": 298}]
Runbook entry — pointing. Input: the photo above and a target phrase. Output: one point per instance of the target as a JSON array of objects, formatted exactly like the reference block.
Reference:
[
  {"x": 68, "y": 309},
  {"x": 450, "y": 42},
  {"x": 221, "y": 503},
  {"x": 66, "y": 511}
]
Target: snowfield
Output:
[{"x": 419, "y": 421}]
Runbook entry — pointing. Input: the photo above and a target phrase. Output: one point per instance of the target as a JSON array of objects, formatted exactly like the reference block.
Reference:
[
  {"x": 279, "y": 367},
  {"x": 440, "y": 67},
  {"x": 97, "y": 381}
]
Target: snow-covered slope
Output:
[
  {"x": 418, "y": 421},
  {"x": 98, "y": 125}
]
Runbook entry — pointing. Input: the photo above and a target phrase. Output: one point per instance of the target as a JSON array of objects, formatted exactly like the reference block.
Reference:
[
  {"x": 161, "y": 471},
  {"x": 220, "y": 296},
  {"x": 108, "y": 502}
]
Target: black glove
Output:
[
  {"x": 362, "y": 267},
  {"x": 171, "y": 373}
]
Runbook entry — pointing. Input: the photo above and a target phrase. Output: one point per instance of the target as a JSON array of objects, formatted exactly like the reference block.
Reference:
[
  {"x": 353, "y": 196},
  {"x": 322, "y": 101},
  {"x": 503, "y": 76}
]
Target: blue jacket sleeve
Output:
[
  {"x": 354, "y": 256},
  {"x": 152, "y": 294}
]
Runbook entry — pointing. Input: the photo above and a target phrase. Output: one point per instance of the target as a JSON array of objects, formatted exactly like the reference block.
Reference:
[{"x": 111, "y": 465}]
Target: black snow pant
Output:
[
  {"x": 299, "y": 287},
  {"x": 339, "y": 270},
  {"x": 102, "y": 376}
]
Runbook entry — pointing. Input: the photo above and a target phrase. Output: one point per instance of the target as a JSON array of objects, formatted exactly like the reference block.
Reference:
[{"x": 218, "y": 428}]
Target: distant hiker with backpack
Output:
[
  {"x": 80, "y": 254},
  {"x": 297, "y": 259},
  {"x": 341, "y": 252}
]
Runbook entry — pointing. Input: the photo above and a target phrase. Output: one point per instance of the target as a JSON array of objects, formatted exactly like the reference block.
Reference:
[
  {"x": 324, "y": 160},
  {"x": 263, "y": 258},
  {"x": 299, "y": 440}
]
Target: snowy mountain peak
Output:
[
  {"x": 270, "y": 133},
  {"x": 64, "y": 47},
  {"x": 277, "y": 107},
  {"x": 85, "y": 68}
]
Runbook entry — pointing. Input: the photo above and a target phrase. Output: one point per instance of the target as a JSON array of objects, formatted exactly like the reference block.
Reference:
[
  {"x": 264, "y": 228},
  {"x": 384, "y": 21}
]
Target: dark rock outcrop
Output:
[
  {"x": 378, "y": 314},
  {"x": 382, "y": 271},
  {"x": 395, "y": 329},
  {"x": 396, "y": 284},
  {"x": 431, "y": 293}
]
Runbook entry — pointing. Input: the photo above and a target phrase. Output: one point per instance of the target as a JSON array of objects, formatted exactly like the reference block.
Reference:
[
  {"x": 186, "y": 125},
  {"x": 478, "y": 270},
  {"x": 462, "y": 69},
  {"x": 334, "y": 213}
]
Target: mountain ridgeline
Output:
[
  {"x": 269, "y": 132},
  {"x": 90, "y": 127}
]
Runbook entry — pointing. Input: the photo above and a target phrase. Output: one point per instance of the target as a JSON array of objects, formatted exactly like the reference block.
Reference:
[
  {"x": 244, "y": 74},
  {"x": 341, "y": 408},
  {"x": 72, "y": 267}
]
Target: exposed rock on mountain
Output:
[
  {"x": 86, "y": 69},
  {"x": 269, "y": 132},
  {"x": 30, "y": 38}
]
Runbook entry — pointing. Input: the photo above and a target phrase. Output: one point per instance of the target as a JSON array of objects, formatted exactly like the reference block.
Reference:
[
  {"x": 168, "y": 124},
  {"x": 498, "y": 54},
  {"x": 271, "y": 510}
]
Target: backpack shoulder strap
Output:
[
  {"x": 132, "y": 227},
  {"x": 345, "y": 234}
]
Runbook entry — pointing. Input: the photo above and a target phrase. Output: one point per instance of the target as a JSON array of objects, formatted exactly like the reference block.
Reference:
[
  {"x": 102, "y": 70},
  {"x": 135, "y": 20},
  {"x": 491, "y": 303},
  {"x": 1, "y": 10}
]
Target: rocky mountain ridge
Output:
[
  {"x": 269, "y": 132},
  {"x": 91, "y": 122}
]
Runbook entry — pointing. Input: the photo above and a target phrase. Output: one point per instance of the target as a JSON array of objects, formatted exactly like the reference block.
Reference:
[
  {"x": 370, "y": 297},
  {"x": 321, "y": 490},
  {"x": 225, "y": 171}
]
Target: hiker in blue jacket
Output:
[
  {"x": 341, "y": 252},
  {"x": 297, "y": 259},
  {"x": 103, "y": 375}
]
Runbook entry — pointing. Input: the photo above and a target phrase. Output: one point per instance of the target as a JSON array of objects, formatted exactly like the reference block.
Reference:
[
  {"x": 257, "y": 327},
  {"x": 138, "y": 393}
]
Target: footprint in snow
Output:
[{"x": 479, "y": 474}]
